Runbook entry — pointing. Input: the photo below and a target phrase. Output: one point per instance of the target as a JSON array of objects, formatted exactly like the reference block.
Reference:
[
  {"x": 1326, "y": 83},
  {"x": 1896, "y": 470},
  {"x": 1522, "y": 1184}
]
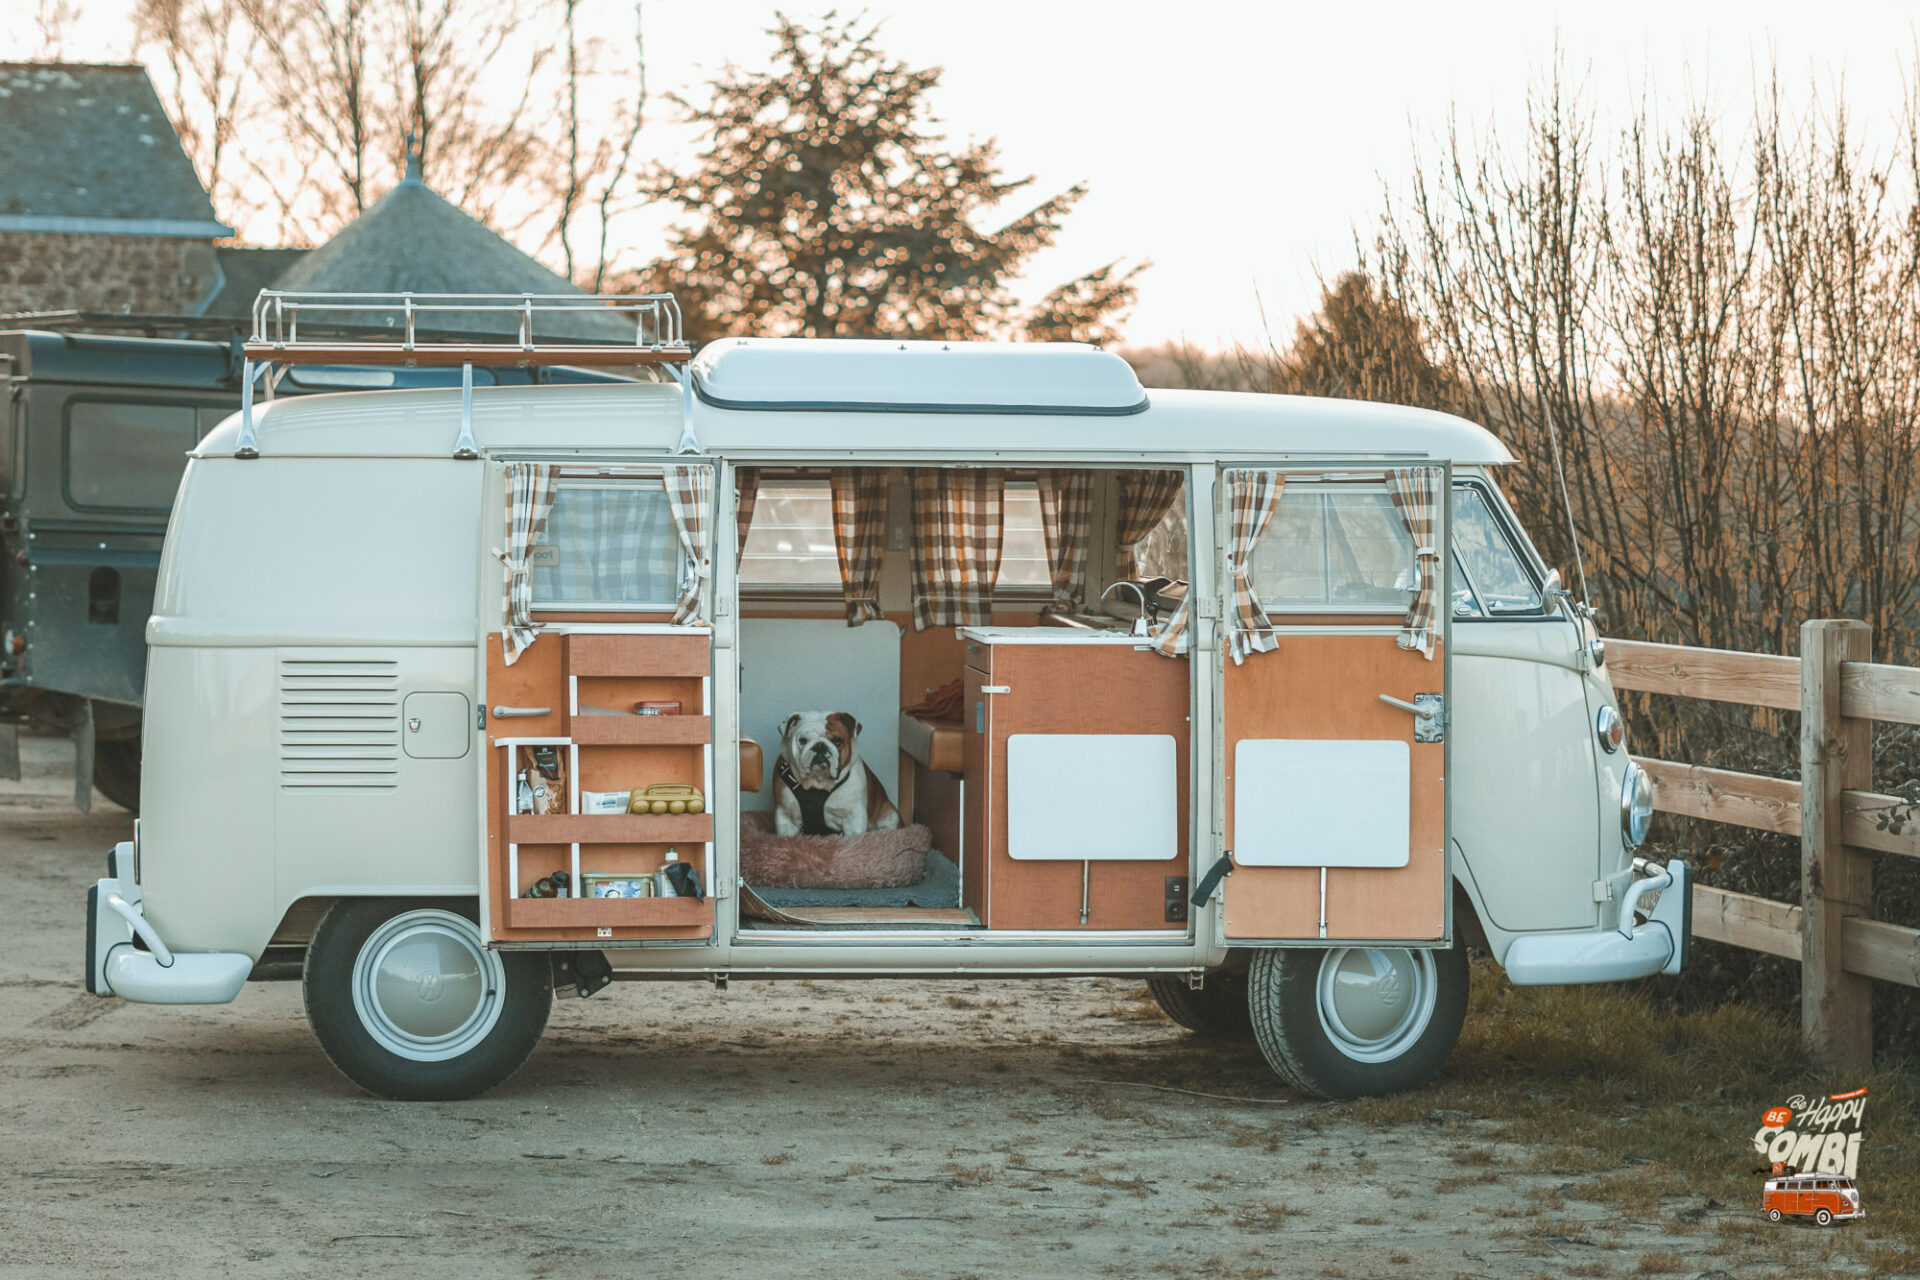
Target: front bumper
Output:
[
  {"x": 149, "y": 972},
  {"x": 1632, "y": 949}
]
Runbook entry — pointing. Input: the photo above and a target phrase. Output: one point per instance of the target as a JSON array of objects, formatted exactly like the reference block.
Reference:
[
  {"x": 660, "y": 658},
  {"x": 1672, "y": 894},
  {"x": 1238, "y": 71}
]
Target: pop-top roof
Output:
[{"x": 884, "y": 375}]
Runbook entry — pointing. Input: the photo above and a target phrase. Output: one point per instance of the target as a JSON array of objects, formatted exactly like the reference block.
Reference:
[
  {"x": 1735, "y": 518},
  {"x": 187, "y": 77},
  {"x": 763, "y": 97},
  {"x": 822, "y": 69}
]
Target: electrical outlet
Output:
[{"x": 1176, "y": 899}]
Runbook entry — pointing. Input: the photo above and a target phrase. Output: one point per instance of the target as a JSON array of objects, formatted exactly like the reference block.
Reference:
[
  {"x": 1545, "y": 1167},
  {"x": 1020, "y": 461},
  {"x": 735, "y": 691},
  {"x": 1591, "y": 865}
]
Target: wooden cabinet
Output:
[
  {"x": 583, "y": 687},
  {"x": 1103, "y": 690}
]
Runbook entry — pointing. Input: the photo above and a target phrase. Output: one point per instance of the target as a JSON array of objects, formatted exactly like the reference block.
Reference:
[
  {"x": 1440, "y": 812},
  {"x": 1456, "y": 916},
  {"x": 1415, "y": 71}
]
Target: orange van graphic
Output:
[{"x": 1823, "y": 1197}]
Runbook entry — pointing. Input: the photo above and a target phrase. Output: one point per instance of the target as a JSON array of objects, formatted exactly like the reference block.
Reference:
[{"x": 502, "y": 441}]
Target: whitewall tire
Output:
[{"x": 409, "y": 1003}]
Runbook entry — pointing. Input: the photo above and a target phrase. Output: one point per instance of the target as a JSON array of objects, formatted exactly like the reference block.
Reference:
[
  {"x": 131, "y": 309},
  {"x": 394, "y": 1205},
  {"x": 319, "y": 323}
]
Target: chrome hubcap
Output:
[
  {"x": 1376, "y": 1002},
  {"x": 425, "y": 988}
]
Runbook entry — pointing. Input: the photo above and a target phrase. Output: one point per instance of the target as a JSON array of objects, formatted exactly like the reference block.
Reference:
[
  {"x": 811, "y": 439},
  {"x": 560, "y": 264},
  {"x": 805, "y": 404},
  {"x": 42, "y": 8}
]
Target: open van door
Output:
[
  {"x": 596, "y": 669},
  {"x": 1332, "y": 696}
]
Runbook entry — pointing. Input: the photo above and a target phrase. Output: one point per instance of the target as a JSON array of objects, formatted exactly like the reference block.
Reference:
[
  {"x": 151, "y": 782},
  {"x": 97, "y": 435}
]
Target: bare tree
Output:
[
  {"x": 52, "y": 23},
  {"x": 208, "y": 52}
]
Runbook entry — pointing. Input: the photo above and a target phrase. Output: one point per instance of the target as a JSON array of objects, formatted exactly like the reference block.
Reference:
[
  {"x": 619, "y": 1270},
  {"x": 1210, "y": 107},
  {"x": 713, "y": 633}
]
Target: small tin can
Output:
[{"x": 618, "y": 884}]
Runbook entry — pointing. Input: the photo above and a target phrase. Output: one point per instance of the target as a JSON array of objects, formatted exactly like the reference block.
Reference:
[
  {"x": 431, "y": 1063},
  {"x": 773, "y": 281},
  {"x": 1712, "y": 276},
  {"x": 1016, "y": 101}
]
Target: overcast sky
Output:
[{"x": 1238, "y": 144}]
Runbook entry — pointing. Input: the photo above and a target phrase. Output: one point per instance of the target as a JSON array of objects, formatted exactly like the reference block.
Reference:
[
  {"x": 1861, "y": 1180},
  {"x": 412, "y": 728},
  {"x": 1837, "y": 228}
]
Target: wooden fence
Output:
[{"x": 1838, "y": 691}]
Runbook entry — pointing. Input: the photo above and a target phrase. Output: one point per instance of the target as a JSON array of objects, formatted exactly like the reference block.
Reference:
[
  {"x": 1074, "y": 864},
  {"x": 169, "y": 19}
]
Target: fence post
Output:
[{"x": 1836, "y": 754}]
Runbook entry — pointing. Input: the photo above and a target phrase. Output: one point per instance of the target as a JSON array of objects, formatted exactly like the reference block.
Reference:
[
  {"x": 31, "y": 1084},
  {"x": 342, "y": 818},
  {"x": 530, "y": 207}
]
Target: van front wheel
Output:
[
  {"x": 1353, "y": 1021},
  {"x": 409, "y": 1003}
]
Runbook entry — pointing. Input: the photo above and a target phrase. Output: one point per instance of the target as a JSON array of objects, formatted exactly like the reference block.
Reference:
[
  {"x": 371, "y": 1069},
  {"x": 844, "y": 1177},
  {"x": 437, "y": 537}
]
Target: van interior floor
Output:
[{"x": 855, "y": 918}]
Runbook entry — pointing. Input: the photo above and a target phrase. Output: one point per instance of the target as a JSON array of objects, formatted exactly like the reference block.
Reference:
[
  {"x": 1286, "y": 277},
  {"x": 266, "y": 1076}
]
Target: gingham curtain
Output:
[
  {"x": 1416, "y": 497},
  {"x": 1145, "y": 498},
  {"x": 690, "y": 494},
  {"x": 1252, "y": 498},
  {"x": 1170, "y": 639},
  {"x": 859, "y": 537},
  {"x": 530, "y": 488},
  {"x": 1066, "y": 517},
  {"x": 746, "y": 490},
  {"x": 956, "y": 545}
]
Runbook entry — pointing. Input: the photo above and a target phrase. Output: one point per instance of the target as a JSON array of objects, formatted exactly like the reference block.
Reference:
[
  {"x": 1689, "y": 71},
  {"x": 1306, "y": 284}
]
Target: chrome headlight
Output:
[
  {"x": 1636, "y": 807},
  {"x": 1610, "y": 729}
]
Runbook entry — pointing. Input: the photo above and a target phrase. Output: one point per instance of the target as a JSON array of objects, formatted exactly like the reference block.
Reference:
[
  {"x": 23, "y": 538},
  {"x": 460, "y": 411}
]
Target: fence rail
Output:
[{"x": 1838, "y": 692}]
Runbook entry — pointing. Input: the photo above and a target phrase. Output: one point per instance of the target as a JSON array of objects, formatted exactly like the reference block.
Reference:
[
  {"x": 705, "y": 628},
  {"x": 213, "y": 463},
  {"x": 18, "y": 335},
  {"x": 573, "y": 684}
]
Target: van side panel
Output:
[{"x": 303, "y": 603}]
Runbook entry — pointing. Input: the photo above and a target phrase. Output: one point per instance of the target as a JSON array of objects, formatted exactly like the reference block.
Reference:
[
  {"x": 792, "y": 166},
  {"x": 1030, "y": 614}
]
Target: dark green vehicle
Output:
[{"x": 98, "y": 429}]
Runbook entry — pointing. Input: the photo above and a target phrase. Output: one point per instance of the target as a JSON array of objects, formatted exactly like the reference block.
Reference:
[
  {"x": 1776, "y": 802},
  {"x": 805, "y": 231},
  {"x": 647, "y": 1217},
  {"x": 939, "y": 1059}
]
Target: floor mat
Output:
[
  {"x": 941, "y": 888},
  {"x": 757, "y": 912}
]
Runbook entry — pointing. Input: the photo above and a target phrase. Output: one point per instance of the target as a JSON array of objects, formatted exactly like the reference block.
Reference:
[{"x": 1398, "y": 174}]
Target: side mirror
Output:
[{"x": 1552, "y": 592}]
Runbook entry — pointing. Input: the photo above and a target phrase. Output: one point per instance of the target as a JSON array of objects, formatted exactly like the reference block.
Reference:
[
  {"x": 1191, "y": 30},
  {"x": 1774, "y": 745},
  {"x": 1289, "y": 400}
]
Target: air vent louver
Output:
[{"x": 339, "y": 724}]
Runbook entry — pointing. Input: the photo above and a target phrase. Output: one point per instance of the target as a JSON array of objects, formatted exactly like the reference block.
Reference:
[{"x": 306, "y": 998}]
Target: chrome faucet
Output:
[{"x": 1139, "y": 623}]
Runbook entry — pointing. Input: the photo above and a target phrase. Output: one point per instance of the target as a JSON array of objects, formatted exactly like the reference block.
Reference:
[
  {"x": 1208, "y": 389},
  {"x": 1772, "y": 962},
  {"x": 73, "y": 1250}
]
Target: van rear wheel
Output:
[
  {"x": 409, "y": 1003},
  {"x": 116, "y": 771},
  {"x": 1773, "y": 1215},
  {"x": 1348, "y": 1022},
  {"x": 1217, "y": 1009}
]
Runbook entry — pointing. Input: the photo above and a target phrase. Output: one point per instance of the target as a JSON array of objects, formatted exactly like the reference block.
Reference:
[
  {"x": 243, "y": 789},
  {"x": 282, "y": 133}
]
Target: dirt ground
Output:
[{"x": 887, "y": 1129}]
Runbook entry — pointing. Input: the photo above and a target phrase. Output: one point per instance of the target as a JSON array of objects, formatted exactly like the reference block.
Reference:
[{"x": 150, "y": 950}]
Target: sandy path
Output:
[{"x": 883, "y": 1128}]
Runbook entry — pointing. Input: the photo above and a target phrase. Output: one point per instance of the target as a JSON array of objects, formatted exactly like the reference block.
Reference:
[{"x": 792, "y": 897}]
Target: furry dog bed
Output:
[{"x": 876, "y": 860}]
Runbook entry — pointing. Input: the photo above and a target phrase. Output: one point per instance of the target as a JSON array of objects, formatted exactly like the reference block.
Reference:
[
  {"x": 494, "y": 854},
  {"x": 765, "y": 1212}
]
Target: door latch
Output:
[{"x": 1429, "y": 712}]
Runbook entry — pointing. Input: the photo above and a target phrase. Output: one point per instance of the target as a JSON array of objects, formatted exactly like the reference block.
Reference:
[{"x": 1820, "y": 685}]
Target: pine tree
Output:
[{"x": 825, "y": 204}]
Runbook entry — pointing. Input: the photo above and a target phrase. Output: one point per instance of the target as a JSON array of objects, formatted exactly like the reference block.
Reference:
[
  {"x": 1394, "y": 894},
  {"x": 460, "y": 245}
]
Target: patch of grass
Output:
[
  {"x": 1589, "y": 1269},
  {"x": 1595, "y": 1078},
  {"x": 778, "y": 1157},
  {"x": 1264, "y": 1217},
  {"x": 1465, "y": 1180},
  {"x": 1399, "y": 1258},
  {"x": 1660, "y": 1264}
]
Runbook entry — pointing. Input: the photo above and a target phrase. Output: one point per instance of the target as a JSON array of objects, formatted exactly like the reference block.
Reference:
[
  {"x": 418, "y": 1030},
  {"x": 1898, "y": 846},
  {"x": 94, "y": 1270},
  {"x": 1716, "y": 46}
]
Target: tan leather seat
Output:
[
  {"x": 938, "y": 744},
  {"x": 753, "y": 767}
]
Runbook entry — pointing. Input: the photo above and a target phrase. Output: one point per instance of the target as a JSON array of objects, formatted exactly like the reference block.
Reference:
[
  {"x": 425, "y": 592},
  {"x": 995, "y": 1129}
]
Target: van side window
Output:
[
  {"x": 126, "y": 456},
  {"x": 1334, "y": 548},
  {"x": 1490, "y": 578},
  {"x": 790, "y": 542},
  {"x": 608, "y": 544}
]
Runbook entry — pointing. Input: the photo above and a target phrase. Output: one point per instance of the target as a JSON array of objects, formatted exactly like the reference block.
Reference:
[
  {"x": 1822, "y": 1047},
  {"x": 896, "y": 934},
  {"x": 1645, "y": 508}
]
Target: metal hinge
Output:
[{"x": 1603, "y": 891}]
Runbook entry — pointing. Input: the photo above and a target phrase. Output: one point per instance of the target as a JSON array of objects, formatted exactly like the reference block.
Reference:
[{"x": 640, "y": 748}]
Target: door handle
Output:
[
  {"x": 1429, "y": 711},
  {"x": 510, "y": 713}
]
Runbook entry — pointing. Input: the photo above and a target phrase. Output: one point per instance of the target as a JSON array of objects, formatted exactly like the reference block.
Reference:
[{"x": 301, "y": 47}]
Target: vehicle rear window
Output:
[{"x": 127, "y": 456}]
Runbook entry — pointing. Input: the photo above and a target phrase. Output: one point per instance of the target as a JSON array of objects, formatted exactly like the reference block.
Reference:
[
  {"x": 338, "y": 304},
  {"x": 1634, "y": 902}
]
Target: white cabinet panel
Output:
[
  {"x": 1310, "y": 802},
  {"x": 1101, "y": 797}
]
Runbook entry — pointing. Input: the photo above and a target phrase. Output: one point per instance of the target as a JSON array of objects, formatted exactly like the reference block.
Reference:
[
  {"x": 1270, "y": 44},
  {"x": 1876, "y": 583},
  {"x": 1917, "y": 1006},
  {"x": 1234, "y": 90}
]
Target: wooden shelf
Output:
[
  {"x": 614, "y": 828},
  {"x": 642, "y": 731},
  {"x": 652, "y": 655},
  {"x": 576, "y": 913}
]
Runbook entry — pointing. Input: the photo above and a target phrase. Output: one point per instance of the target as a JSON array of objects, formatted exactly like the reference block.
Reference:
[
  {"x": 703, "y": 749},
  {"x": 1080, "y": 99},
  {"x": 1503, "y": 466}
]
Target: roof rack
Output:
[{"x": 277, "y": 314}]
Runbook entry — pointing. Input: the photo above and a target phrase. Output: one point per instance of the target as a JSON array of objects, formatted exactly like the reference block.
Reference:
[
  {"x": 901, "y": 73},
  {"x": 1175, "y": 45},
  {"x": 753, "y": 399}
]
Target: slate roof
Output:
[
  {"x": 413, "y": 239},
  {"x": 88, "y": 148},
  {"x": 247, "y": 272}
]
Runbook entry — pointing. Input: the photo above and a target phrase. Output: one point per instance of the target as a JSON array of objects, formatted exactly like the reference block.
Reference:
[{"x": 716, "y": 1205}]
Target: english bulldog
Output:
[{"x": 821, "y": 786}]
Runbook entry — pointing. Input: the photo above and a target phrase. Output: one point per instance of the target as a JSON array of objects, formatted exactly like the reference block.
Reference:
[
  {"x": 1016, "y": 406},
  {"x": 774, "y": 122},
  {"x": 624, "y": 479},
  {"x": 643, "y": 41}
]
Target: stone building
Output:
[{"x": 100, "y": 209}]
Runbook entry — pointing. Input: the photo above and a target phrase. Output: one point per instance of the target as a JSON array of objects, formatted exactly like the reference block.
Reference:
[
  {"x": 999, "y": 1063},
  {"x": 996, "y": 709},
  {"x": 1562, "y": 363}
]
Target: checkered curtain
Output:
[
  {"x": 1416, "y": 497},
  {"x": 1170, "y": 638},
  {"x": 530, "y": 489},
  {"x": 1145, "y": 498},
  {"x": 1252, "y": 498},
  {"x": 957, "y": 522},
  {"x": 690, "y": 494},
  {"x": 1066, "y": 517},
  {"x": 746, "y": 490},
  {"x": 859, "y": 537}
]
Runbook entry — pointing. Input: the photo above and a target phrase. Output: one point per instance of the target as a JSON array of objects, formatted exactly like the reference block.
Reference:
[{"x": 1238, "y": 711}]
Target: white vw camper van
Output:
[{"x": 875, "y": 659}]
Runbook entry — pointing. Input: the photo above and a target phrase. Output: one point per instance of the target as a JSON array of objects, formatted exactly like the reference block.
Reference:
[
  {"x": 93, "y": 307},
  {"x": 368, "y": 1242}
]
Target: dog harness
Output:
[{"x": 812, "y": 800}]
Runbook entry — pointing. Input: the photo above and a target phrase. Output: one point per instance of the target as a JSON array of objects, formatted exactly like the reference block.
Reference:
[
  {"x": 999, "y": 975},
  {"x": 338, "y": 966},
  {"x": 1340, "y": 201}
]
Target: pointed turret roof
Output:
[{"x": 413, "y": 239}]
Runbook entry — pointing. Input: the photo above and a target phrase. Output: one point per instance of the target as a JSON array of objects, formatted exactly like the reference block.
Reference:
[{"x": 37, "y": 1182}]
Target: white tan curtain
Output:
[
  {"x": 957, "y": 527},
  {"x": 1170, "y": 637},
  {"x": 530, "y": 489},
  {"x": 690, "y": 495},
  {"x": 859, "y": 537},
  {"x": 1066, "y": 518},
  {"x": 746, "y": 492},
  {"x": 1145, "y": 499},
  {"x": 1252, "y": 498},
  {"x": 1416, "y": 497}
]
